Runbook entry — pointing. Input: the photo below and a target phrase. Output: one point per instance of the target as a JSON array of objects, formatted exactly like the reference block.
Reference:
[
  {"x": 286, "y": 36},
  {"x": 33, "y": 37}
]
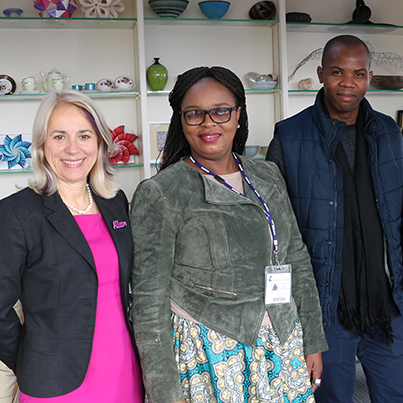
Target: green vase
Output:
[{"x": 157, "y": 75}]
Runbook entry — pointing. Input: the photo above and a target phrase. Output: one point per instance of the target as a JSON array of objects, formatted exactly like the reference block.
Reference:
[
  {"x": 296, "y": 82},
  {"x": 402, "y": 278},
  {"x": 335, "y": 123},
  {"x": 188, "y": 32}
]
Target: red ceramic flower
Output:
[{"x": 123, "y": 146}]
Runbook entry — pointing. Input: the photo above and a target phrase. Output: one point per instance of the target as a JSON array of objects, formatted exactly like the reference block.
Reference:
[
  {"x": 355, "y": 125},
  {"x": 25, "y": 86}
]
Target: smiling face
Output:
[
  {"x": 345, "y": 75},
  {"x": 71, "y": 145},
  {"x": 210, "y": 142}
]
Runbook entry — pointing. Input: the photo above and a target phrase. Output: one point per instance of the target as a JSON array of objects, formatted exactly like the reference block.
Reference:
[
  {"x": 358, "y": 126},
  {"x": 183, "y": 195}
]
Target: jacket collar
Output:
[
  {"x": 327, "y": 125},
  {"x": 217, "y": 194}
]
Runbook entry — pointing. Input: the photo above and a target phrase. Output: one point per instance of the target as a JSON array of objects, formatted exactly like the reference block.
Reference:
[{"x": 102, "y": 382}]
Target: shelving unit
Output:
[{"x": 89, "y": 49}]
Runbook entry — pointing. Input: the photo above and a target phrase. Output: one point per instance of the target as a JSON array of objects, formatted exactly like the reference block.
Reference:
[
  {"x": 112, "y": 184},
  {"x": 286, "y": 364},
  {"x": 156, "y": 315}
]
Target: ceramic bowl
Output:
[
  {"x": 251, "y": 151},
  {"x": 168, "y": 8},
  {"x": 263, "y": 85},
  {"x": 263, "y": 10},
  {"x": 387, "y": 82},
  {"x": 214, "y": 9}
]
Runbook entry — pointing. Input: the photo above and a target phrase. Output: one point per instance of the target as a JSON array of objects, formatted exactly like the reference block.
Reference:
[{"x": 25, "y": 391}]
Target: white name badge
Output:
[{"x": 278, "y": 284}]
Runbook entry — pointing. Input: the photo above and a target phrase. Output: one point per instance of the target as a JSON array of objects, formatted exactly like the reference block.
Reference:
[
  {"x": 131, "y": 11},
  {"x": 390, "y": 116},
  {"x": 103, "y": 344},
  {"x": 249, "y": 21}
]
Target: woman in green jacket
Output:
[{"x": 226, "y": 308}]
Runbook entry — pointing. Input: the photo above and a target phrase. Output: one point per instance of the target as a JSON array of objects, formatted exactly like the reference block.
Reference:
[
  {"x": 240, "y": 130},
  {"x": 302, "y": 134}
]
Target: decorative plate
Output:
[
  {"x": 105, "y": 85},
  {"x": 7, "y": 85},
  {"x": 124, "y": 83}
]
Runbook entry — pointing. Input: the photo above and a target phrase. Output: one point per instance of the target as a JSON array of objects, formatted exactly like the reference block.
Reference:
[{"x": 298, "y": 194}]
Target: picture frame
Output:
[
  {"x": 158, "y": 134},
  {"x": 399, "y": 120}
]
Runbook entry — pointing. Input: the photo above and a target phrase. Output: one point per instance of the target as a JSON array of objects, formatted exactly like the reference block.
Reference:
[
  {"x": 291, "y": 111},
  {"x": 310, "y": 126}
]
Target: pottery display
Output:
[
  {"x": 53, "y": 77},
  {"x": 297, "y": 17},
  {"x": 55, "y": 8},
  {"x": 157, "y": 75},
  {"x": 12, "y": 12},
  {"x": 306, "y": 84},
  {"x": 261, "y": 81},
  {"x": 251, "y": 151},
  {"x": 214, "y": 9},
  {"x": 7, "y": 85},
  {"x": 29, "y": 83},
  {"x": 387, "y": 82},
  {"x": 102, "y": 8},
  {"x": 168, "y": 8},
  {"x": 263, "y": 10}
]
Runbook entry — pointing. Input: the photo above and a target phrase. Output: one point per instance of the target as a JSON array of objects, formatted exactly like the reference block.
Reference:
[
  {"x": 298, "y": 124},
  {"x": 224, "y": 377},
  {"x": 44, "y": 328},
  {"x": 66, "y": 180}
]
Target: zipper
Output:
[{"x": 214, "y": 289}]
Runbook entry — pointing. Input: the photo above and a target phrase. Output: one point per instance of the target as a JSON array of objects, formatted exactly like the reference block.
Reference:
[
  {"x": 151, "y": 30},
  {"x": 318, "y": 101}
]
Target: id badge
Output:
[{"x": 278, "y": 284}]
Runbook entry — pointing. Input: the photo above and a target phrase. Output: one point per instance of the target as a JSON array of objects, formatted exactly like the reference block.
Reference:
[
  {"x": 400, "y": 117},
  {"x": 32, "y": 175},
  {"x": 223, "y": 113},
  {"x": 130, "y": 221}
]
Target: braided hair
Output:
[{"x": 176, "y": 145}]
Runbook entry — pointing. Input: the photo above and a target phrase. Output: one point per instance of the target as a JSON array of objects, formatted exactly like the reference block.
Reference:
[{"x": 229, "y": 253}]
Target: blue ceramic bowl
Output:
[
  {"x": 251, "y": 151},
  {"x": 8, "y": 12},
  {"x": 214, "y": 9},
  {"x": 168, "y": 8}
]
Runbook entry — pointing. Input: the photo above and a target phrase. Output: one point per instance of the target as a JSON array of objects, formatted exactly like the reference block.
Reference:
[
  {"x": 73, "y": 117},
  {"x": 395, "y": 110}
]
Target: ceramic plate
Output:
[
  {"x": 124, "y": 83},
  {"x": 105, "y": 85},
  {"x": 7, "y": 85}
]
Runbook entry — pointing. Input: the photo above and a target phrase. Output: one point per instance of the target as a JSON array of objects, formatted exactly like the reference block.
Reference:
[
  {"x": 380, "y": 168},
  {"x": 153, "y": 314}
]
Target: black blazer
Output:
[{"x": 45, "y": 261}]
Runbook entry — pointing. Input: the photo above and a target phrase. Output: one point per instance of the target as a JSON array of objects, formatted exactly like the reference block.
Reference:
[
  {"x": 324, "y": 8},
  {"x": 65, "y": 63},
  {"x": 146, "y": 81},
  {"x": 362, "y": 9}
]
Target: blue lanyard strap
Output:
[{"x": 267, "y": 211}]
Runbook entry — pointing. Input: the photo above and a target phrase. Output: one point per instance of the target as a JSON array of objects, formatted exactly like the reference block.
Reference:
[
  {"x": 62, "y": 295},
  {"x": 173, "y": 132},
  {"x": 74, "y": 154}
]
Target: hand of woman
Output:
[{"x": 314, "y": 366}]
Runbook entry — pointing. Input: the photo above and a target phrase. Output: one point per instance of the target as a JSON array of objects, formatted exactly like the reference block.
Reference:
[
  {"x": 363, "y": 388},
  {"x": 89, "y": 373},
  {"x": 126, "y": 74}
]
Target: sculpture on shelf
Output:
[
  {"x": 15, "y": 151},
  {"x": 392, "y": 59},
  {"x": 362, "y": 14},
  {"x": 306, "y": 84},
  {"x": 102, "y": 8},
  {"x": 123, "y": 147},
  {"x": 55, "y": 8}
]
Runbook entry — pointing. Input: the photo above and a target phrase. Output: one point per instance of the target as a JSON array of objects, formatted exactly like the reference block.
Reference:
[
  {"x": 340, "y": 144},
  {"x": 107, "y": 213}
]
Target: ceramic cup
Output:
[
  {"x": 90, "y": 86},
  {"x": 28, "y": 83},
  {"x": 77, "y": 87},
  {"x": 58, "y": 84}
]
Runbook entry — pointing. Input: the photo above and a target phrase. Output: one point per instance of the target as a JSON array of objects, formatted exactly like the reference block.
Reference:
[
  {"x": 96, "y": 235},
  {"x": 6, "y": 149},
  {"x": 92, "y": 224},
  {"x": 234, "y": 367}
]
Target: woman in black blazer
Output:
[{"x": 66, "y": 252}]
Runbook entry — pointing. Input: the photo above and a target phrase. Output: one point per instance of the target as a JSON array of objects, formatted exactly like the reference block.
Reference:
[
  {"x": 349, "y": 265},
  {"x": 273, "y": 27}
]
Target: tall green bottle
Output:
[{"x": 157, "y": 75}]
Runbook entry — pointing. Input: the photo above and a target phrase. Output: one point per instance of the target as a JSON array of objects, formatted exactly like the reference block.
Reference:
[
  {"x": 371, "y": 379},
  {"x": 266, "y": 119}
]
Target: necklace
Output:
[{"x": 76, "y": 209}]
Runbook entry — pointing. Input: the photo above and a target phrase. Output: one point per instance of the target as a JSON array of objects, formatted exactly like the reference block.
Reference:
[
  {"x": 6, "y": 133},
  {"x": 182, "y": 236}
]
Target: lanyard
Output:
[{"x": 267, "y": 211}]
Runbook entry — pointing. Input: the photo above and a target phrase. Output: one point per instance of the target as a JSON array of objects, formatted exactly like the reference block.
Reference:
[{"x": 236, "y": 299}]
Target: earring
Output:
[{"x": 238, "y": 126}]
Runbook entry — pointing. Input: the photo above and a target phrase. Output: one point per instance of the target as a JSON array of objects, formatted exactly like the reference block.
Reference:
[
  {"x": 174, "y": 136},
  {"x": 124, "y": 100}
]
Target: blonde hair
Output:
[{"x": 102, "y": 176}]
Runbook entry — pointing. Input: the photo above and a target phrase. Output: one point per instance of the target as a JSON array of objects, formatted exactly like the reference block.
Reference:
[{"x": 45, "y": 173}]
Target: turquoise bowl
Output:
[
  {"x": 168, "y": 8},
  {"x": 251, "y": 151},
  {"x": 214, "y": 9}
]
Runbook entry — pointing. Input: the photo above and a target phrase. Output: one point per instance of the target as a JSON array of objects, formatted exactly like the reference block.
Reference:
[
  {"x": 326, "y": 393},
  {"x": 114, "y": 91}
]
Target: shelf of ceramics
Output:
[
  {"x": 247, "y": 91},
  {"x": 370, "y": 92},
  {"x": 321, "y": 28},
  {"x": 22, "y": 171},
  {"x": 211, "y": 22},
  {"x": 67, "y": 23},
  {"x": 112, "y": 94}
]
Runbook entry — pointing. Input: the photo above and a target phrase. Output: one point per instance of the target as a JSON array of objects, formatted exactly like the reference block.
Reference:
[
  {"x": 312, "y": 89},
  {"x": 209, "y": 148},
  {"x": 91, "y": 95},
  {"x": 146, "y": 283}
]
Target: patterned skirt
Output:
[{"x": 216, "y": 369}]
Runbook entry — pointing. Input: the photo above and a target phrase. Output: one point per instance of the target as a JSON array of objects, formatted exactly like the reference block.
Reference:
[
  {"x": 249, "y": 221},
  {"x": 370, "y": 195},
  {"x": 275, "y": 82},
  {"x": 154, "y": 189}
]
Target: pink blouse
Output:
[{"x": 113, "y": 374}]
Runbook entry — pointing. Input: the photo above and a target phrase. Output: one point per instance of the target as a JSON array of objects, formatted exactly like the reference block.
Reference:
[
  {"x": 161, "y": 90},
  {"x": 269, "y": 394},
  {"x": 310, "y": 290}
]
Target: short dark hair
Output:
[
  {"x": 176, "y": 145},
  {"x": 344, "y": 40}
]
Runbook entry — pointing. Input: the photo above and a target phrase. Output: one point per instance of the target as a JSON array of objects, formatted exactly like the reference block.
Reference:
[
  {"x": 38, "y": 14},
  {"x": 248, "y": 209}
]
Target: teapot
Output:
[{"x": 52, "y": 77}]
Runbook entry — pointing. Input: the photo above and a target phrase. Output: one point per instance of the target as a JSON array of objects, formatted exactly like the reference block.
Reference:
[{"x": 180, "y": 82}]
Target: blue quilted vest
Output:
[{"x": 314, "y": 179}]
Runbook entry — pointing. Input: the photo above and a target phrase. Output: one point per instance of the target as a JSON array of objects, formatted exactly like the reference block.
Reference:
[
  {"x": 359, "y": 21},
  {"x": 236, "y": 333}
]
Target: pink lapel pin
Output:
[{"x": 119, "y": 224}]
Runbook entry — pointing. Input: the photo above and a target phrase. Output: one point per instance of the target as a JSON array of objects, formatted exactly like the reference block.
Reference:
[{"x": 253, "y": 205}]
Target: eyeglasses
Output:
[{"x": 195, "y": 117}]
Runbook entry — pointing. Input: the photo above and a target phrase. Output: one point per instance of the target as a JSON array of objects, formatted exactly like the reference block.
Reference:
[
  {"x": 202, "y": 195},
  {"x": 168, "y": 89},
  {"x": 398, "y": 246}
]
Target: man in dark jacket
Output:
[{"x": 343, "y": 164}]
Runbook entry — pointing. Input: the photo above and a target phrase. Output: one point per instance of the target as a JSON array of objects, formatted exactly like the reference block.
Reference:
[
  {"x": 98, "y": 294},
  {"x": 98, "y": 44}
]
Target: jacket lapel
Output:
[
  {"x": 64, "y": 222},
  {"x": 113, "y": 210}
]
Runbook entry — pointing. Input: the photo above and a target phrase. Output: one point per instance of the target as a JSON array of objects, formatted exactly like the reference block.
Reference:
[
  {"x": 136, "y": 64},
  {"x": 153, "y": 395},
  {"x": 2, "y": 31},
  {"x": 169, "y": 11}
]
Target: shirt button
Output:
[
  {"x": 329, "y": 242},
  {"x": 331, "y": 203}
]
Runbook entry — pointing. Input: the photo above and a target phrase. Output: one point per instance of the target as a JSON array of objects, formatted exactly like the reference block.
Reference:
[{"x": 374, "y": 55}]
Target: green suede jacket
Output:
[{"x": 206, "y": 248}]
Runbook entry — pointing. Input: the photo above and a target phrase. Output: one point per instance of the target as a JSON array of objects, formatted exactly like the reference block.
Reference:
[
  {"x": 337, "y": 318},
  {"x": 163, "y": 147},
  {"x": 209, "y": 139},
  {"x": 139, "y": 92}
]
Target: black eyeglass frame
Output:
[{"x": 208, "y": 111}]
